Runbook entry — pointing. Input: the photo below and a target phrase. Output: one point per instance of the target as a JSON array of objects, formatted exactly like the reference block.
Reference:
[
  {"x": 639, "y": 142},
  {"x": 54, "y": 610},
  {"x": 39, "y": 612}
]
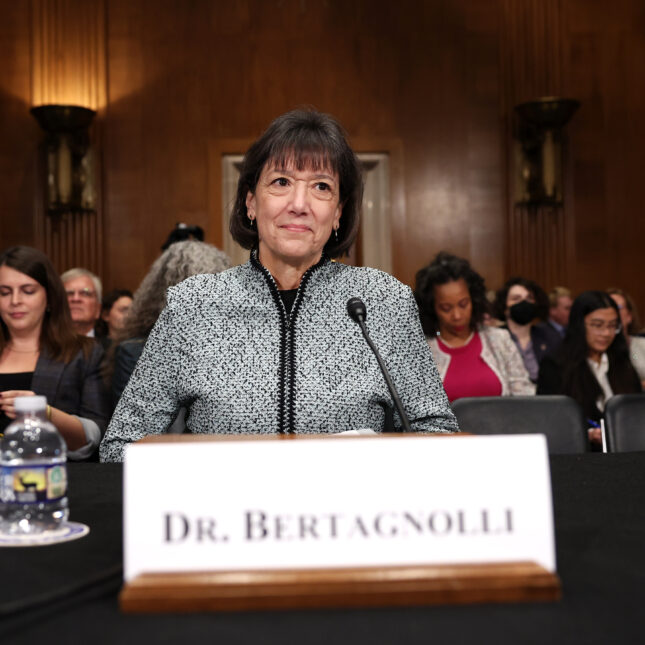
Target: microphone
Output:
[{"x": 358, "y": 313}]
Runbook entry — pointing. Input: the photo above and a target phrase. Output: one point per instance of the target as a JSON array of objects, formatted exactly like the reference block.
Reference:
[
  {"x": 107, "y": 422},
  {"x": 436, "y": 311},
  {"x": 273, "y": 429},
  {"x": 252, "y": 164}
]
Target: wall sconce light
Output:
[
  {"x": 538, "y": 150},
  {"x": 70, "y": 163}
]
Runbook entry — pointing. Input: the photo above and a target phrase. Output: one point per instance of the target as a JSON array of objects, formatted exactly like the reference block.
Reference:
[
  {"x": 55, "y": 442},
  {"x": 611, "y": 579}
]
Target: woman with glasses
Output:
[
  {"x": 268, "y": 347},
  {"x": 592, "y": 363},
  {"x": 40, "y": 353}
]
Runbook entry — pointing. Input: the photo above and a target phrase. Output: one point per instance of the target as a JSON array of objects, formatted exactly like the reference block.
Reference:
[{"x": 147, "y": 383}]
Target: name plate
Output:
[{"x": 226, "y": 505}]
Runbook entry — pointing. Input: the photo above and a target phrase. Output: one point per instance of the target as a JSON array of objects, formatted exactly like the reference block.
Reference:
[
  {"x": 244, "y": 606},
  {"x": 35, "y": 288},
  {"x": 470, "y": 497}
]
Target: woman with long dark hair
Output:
[
  {"x": 592, "y": 363},
  {"x": 40, "y": 353}
]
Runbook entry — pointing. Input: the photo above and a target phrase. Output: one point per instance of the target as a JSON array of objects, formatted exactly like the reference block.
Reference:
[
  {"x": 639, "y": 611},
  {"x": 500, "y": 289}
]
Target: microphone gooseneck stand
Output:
[{"x": 358, "y": 313}]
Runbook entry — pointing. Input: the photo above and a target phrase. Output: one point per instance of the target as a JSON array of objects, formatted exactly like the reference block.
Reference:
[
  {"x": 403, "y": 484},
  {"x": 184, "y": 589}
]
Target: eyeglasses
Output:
[
  {"x": 597, "y": 326},
  {"x": 81, "y": 293}
]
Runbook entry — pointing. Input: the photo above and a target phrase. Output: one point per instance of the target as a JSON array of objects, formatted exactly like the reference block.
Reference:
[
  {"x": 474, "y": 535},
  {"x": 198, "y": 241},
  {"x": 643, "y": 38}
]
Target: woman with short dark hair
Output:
[
  {"x": 40, "y": 353},
  {"x": 522, "y": 303},
  {"x": 473, "y": 359},
  {"x": 592, "y": 363},
  {"x": 268, "y": 347},
  {"x": 302, "y": 139}
]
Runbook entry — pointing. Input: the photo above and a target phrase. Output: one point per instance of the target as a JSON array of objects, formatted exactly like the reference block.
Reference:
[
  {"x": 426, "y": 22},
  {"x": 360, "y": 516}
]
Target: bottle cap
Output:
[{"x": 30, "y": 403}]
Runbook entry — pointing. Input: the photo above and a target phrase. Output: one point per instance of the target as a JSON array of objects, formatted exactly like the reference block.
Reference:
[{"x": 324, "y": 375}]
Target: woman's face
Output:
[
  {"x": 623, "y": 310},
  {"x": 23, "y": 301},
  {"x": 600, "y": 329},
  {"x": 453, "y": 307},
  {"x": 516, "y": 294},
  {"x": 295, "y": 211},
  {"x": 115, "y": 318}
]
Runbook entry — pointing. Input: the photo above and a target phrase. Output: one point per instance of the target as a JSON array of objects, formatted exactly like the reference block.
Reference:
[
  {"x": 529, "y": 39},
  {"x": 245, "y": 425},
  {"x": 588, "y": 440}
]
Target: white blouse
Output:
[{"x": 599, "y": 370}]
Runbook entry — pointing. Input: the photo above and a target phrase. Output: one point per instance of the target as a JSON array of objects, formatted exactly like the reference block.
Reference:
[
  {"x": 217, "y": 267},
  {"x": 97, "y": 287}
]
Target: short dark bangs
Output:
[
  {"x": 304, "y": 140},
  {"x": 303, "y": 150}
]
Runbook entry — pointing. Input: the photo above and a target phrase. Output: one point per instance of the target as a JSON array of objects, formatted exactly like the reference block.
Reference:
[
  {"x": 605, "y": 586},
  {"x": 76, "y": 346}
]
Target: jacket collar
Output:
[{"x": 256, "y": 264}]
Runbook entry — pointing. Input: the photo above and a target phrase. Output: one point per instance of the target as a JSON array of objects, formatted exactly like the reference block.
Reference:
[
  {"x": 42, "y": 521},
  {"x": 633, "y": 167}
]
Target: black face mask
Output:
[{"x": 523, "y": 312}]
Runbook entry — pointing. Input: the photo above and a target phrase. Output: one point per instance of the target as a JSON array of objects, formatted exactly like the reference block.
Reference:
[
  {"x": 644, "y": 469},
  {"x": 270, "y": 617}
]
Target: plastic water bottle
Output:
[{"x": 33, "y": 474}]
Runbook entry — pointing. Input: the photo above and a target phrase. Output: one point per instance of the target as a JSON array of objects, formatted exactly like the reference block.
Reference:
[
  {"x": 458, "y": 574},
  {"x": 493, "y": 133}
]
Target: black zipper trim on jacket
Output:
[
  {"x": 291, "y": 413},
  {"x": 287, "y": 363}
]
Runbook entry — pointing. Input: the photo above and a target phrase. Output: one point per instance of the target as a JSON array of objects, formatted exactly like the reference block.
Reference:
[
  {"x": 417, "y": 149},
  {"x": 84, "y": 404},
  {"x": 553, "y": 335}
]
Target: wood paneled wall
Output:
[
  {"x": 604, "y": 68},
  {"x": 68, "y": 63},
  {"x": 422, "y": 73},
  {"x": 51, "y": 52},
  {"x": 68, "y": 54},
  {"x": 440, "y": 77},
  {"x": 531, "y": 51},
  {"x": 19, "y": 133}
]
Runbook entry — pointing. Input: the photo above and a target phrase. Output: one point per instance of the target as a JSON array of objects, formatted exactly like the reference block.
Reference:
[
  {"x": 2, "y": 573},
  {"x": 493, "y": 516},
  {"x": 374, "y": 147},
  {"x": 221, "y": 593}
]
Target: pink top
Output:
[{"x": 468, "y": 374}]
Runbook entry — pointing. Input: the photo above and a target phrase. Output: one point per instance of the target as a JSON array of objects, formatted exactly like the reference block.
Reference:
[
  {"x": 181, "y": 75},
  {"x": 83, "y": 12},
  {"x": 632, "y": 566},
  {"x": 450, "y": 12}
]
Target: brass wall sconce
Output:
[
  {"x": 70, "y": 163},
  {"x": 538, "y": 146}
]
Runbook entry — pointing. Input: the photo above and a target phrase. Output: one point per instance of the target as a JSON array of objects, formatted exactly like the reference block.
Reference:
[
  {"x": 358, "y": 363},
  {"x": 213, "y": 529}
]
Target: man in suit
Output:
[
  {"x": 84, "y": 294},
  {"x": 560, "y": 302}
]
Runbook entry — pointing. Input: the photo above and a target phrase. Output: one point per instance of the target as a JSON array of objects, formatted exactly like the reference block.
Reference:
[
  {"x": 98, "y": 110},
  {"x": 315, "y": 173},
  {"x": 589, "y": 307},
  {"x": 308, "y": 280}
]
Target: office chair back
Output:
[
  {"x": 558, "y": 417},
  {"x": 625, "y": 422}
]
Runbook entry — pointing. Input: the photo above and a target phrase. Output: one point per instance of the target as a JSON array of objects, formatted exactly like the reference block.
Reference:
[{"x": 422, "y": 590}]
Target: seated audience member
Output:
[
  {"x": 84, "y": 293},
  {"x": 631, "y": 327},
  {"x": 180, "y": 261},
  {"x": 113, "y": 313},
  {"x": 473, "y": 359},
  {"x": 560, "y": 302},
  {"x": 42, "y": 354},
  {"x": 592, "y": 364},
  {"x": 522, "y": 303},
  {"x": 269, "y": 346}
]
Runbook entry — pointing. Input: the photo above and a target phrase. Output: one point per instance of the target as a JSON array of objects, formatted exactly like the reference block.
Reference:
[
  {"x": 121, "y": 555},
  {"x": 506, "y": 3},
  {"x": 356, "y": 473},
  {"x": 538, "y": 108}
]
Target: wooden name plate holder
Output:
[
  {"x": 358, "y": 586},
  {"x": 318, "y": 588}
]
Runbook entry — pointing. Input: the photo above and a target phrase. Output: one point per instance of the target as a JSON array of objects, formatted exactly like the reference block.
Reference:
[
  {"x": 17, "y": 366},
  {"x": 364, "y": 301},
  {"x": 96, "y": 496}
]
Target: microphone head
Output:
[{"x": 356, "y": 309}]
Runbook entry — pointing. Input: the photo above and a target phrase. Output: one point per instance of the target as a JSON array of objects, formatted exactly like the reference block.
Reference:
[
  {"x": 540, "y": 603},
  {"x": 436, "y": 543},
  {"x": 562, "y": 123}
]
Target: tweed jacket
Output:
[
  {"x": 500, "y": 353},
  {"x": 126, "y": 356},
  {"x": 225, "y": 348},
  {"x": 78, "y": 389}
]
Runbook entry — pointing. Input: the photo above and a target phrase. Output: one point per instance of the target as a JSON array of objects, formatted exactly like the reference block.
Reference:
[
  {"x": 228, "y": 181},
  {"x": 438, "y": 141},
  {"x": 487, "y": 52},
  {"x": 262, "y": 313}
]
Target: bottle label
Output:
[{"x": 33, "y": 484}]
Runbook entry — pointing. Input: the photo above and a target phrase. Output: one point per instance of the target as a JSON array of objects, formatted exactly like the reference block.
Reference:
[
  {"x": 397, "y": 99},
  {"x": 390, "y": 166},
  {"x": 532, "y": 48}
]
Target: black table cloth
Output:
[{"x": 68, "y": 593}]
